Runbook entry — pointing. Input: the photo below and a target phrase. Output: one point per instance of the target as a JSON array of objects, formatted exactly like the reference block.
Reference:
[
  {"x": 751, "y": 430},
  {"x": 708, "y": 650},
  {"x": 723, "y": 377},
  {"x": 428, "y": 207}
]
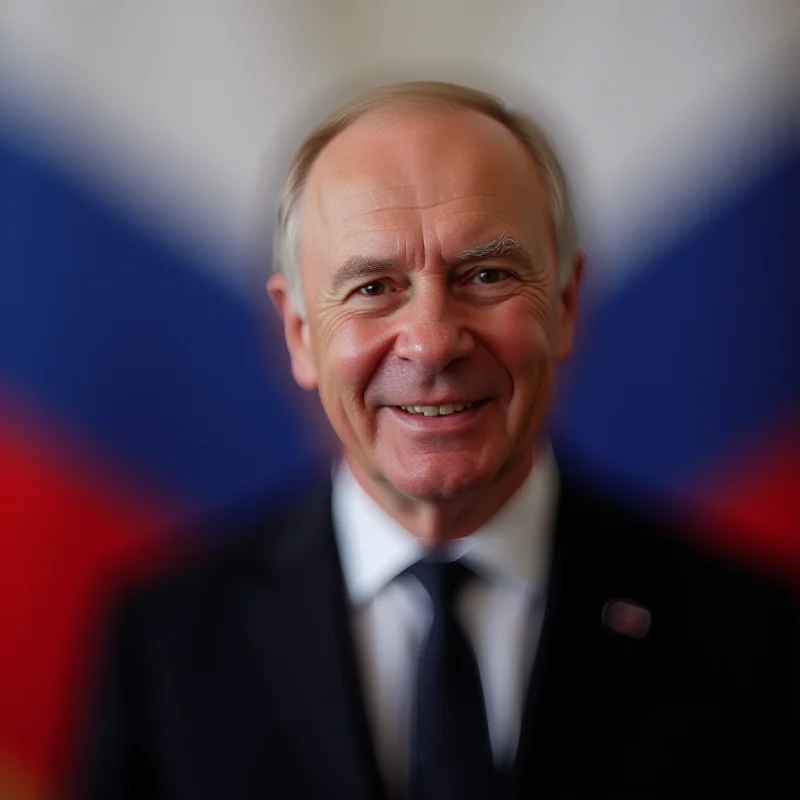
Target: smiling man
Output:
[
  {"x": 450, "y": 616},
  {"x": 426, "y": 254}
]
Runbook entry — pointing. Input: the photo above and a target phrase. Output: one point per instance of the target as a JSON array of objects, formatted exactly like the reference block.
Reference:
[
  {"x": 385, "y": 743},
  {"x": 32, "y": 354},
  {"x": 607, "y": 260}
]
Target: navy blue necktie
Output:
[{"x": 451, "y": 754}]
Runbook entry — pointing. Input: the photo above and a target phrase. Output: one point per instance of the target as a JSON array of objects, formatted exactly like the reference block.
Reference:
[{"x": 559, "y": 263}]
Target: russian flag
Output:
[{"x": 144, "y": 382}]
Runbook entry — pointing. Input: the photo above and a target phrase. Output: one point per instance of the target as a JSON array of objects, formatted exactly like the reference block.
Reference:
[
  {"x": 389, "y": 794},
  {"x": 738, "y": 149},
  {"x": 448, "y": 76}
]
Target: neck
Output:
[{"x": 436, "y": 521}]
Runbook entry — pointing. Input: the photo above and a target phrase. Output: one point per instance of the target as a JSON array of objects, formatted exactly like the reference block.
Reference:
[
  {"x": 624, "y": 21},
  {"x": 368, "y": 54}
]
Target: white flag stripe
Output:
[{"x": 659, "y": 103}]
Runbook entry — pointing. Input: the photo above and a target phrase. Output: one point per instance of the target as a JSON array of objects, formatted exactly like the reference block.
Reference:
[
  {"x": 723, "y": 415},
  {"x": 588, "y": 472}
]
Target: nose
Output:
[{"x": 432, "y": 329}]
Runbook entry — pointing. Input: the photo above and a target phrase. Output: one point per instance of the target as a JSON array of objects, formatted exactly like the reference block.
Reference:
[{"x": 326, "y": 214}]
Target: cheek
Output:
[
  {"x": 522, "y": 338},
  {"x": 349, "y": 354}
]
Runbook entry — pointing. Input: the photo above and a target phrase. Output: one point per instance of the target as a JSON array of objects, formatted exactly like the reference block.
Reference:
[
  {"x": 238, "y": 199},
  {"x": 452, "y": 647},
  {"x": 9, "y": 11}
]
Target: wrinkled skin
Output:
[{"x": 400, "y": 312}]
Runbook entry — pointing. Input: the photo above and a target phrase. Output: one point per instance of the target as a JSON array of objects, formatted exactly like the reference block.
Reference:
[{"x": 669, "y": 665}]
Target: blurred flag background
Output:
[{"x": 143, "y": 381}]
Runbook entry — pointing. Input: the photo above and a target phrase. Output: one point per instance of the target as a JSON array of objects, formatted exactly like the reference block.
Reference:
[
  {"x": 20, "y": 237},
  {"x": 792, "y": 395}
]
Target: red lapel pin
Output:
[{"x": 626, "y": 618}]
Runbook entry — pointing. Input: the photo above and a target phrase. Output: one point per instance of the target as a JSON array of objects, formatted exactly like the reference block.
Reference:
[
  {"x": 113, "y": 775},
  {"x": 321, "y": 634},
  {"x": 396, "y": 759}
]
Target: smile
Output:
[{"x": 437, "y": 411}]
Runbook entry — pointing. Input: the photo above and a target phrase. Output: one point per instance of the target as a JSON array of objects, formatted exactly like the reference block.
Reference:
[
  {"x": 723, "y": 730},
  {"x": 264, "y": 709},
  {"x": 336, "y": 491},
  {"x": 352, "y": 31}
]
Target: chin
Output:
[{"x": 437, "y": 478}]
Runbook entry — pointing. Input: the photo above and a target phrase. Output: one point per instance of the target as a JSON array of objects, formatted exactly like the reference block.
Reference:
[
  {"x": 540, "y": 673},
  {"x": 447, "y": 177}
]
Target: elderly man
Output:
[{"x": 450, "y": 617}]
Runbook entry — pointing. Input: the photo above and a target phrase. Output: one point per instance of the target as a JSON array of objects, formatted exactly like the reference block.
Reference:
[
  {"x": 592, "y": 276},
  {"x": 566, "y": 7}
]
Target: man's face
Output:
[{"x": 428, "y": 262}]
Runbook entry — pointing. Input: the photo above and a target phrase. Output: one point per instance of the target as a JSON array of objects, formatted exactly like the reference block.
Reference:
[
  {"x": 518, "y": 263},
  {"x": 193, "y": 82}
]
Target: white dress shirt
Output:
[{"x": 501, "y": 609}]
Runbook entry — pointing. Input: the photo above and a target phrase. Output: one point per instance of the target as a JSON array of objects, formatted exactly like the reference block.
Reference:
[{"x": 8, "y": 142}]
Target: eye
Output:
[
  {"x": 372, "y": 289},
  {"x": 487, "y": 275}
]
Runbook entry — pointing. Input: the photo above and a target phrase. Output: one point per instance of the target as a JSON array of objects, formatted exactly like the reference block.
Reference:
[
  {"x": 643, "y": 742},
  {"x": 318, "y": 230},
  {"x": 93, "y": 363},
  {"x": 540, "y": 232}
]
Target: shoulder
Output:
[
  {"x": 673, "y": 561},
  {"x": 185, "y": 645},
  {"x": 254, "y": 547}
]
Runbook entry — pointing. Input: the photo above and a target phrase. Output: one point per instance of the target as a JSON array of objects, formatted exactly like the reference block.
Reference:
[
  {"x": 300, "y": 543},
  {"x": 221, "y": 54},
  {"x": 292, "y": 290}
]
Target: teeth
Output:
[{"x": 437, "y": 411}]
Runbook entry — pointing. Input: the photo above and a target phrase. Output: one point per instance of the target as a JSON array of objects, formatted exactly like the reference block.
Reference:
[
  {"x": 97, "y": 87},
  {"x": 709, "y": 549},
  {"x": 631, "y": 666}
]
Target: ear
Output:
[
  {"x": 296, "y": 332},
  {"x": 567, "y": 313}
]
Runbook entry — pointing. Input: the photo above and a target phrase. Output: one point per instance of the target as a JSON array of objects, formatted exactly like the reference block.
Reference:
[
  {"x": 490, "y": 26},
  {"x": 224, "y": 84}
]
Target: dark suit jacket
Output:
[{"x": 236, "y": 677}]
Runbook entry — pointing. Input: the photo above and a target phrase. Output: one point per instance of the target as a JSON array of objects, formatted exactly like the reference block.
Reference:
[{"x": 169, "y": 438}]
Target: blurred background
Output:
[{"x": 143, "y": 378}]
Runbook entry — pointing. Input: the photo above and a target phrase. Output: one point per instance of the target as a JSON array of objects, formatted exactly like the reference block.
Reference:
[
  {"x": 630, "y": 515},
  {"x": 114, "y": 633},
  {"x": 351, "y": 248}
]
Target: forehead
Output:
[{"x": 450, "y": 169}]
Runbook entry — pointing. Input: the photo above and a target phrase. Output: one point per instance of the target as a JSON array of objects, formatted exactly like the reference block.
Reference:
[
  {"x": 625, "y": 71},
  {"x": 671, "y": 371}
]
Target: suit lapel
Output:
[
  {"x": 296, "y": 620},
  {"x": 585, "y": 674},
  {"x": 296, "y": 617}
]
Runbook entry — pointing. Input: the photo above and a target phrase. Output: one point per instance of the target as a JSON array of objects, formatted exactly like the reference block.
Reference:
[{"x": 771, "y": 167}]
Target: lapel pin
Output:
[{"x": 626, "y": 619}]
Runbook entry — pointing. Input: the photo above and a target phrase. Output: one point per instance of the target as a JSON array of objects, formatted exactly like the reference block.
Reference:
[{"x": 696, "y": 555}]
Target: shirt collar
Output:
[{"x": 513, "y": 545}]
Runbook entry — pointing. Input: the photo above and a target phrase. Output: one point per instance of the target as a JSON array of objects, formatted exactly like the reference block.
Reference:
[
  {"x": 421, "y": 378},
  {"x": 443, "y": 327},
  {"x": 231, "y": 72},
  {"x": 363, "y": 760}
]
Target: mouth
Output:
[{"x": 444, "y": 410}]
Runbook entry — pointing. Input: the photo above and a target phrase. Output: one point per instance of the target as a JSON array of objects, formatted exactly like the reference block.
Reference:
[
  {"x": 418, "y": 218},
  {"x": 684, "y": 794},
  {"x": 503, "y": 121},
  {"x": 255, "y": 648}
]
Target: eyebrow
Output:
[
  {"x": 504, "y": 246},
  {"x": 360, "y": 268}
]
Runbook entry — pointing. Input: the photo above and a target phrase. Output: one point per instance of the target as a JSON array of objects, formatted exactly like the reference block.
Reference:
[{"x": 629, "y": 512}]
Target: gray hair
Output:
[{"x": 419, "y": 94}]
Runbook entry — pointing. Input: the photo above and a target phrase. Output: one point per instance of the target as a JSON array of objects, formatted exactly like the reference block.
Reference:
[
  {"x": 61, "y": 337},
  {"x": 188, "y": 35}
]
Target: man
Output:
[{"x": 452, "y": 617}]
